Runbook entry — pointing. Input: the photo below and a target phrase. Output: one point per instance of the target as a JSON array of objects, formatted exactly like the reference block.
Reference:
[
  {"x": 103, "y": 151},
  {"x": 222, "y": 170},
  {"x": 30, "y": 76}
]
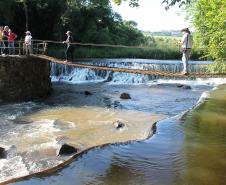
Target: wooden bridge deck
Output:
[{"x": 135, "y": 71}]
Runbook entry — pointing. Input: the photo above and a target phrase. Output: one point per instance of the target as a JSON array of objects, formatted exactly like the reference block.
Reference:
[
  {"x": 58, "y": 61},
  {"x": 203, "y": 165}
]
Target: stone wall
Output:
[{"x": 24, "y": 78}]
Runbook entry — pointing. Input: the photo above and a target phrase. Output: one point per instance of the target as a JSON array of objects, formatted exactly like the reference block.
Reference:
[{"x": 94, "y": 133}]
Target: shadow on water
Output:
[{"x": 192, "y": 152}]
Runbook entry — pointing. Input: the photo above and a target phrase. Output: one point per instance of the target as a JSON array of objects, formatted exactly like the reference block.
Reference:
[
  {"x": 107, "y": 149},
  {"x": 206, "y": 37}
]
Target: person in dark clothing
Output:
[{"x": 70, "y": 48}]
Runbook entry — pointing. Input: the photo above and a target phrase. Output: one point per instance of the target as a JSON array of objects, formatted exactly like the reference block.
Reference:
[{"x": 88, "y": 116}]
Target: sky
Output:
[{"x": 152, "y": 16}]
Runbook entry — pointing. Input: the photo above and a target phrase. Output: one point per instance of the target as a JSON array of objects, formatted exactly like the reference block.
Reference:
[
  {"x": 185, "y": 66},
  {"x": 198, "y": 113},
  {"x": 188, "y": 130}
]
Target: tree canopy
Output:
[
  {"x": 89, "y": 20},
  {"x": 168, "y": 3},
  {"x": 208, "y": 18}
]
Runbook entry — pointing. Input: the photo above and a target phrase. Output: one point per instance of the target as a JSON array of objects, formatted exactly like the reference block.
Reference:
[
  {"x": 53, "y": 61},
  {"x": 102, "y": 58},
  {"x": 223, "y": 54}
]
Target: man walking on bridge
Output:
[
  {"x": 70, "y": 48},
  {"x": 186, "y": 45}
]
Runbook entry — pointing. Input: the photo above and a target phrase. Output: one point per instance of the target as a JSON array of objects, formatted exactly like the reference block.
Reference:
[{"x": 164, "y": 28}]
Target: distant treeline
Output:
[{"x": 174, "y": 33}]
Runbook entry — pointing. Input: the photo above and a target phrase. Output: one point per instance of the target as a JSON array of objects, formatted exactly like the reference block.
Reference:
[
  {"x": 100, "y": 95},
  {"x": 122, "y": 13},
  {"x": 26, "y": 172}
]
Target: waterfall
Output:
[{"x": 80, "y": 75}]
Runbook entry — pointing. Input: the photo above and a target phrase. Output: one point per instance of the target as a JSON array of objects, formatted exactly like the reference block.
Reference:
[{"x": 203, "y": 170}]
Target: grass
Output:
[{"x": 159, "y": 51}]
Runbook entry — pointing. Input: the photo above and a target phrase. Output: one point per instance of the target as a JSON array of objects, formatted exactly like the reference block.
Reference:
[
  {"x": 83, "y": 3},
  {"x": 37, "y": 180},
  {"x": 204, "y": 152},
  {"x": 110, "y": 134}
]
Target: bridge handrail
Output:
[
  {"x": 107, "y": 45},
  {"x": 38, "y": 47}
]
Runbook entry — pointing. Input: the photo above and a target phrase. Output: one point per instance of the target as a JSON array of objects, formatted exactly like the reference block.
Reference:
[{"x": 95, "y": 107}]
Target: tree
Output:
[
  {"x": 208, "y": 18},
  {"x": 168, "y": 3},
  {"x": 24, "y": 2},
  {"x": 5, "y": 15},
  {"x": 133, "y": 3}
]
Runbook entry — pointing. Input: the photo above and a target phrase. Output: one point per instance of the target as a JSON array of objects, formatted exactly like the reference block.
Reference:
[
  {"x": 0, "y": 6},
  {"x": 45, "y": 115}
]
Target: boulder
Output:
[
  {"x": 66, "y": 149},
  {"x": 186, "y": 87},
  {"x": 87, "y": 93},
  {"x": 183, "y": 86},
  {"x": 119, "y": 125},
  {"x": 116, "y": 104},
  {"x": 125, "y": 96},
  {"x": 2, "y": 153},
  {"x": 179, "y": 85},
  {"x": 109, "y": 78}
]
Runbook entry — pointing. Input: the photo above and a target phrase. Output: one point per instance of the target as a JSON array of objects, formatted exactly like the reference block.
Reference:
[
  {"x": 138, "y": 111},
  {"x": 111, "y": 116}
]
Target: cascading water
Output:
[{"x": 76, "y": 75}]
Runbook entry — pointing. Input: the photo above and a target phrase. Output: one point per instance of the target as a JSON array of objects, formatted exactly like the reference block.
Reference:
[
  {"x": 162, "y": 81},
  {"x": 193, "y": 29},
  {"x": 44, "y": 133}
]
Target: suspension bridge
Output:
[{"x": 40, "y": 48}]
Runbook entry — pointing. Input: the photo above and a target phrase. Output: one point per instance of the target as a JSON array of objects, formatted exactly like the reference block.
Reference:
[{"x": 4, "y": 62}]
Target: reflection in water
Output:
[
  {"x": 205, "y": 143},
  {"x": 179, "y": 153}
]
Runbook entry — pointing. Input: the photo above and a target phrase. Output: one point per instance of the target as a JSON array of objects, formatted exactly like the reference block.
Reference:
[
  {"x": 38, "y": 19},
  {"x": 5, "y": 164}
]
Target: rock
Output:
[
  {"x": 183, "y": 86},
  {"x": 87, "y": 93},
  {"x": 2, "y": 153},
  {"x": 165, "y": 85},
  {"x": 186, "y": 87},
  {"x": 66, "y": 149},
  {"x": 116, "y": 104},
  {"x": 118, "y": 125},
  {"x": 109, "y": 78},
  {"x": 179, "y": 85},
  {"x": 125, "y": 96}
]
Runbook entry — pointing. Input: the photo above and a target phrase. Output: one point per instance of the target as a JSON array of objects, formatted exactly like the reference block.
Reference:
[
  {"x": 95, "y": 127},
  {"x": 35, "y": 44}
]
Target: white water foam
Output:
[
  {"x": 78, "y": 76},
  {"x": 197, "y": 82},
  {"x": 126, "y": 78},
  {"x": 51, "y": 144},
  {"x": 12, "y": 168},
  {"x": 72, "y": 75},
  {"x": 21, "y": 164}
]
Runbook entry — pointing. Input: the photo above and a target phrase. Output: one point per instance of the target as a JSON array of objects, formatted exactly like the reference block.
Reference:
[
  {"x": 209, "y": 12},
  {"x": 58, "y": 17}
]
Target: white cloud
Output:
[{"x": 152, "y": 16}]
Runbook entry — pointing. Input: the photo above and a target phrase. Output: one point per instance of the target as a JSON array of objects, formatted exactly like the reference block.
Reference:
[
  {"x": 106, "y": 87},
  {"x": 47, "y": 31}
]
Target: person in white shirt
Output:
[
  {"x": 186, "y": 45},
  {"x": 27, "y": 42}
]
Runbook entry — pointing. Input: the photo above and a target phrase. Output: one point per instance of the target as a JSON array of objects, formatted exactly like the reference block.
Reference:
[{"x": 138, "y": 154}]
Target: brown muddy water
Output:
[{"x": 180, "y": 152}]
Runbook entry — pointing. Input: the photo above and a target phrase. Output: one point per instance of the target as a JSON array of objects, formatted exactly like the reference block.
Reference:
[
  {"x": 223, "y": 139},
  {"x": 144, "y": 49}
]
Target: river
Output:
[{"x": 187, "y": 151}]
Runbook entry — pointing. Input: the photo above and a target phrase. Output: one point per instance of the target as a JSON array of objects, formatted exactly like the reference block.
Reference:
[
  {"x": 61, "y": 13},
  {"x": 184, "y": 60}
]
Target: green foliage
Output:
[
  {"x": 168, "y": 3},
  {"x": 208, "y": 17},
  {"x": 5, "y": 16},
  {"x": 108, "y": 52},
  {"x": 132, "y": 3},
  {"x": 157, "y": 48},
  {"x": 89, "y": 20}
]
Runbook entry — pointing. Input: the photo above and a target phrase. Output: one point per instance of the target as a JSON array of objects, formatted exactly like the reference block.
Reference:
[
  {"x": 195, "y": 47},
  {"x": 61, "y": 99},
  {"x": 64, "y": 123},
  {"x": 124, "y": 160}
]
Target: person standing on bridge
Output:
[
  {"x": 70, "y": 49},
  {"x": 5, "y": 38},
  {"x": 2, "y": 45},
  {"x": 11, "y": 37},
  {"x": 186, "y": 45},
  {"x": 27, "y": 42}
]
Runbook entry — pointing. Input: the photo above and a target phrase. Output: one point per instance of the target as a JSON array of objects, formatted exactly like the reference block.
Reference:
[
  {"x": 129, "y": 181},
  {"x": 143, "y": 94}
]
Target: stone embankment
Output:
[{"x": 24, "y": 78}]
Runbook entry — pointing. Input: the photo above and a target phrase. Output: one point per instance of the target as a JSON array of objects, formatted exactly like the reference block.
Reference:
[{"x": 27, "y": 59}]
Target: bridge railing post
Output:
[
  {"x": 19, "y": 52},
  {"x": 44, "y": 47}
]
